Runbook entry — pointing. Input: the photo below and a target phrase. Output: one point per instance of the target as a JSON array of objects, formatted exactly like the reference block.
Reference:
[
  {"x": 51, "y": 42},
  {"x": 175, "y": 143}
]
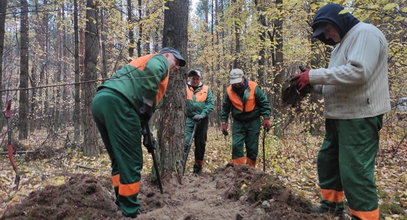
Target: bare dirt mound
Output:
[{"x": 227, "y": 193}]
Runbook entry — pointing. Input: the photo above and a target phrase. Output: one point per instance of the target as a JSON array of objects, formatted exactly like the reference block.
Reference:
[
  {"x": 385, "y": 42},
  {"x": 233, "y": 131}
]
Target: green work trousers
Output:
[
  {"x": 245, "y": 133},
  {"x": 119, "y": 126},
  {"x": 199, "y": 137},
  {"x": 346, "y": 163}
]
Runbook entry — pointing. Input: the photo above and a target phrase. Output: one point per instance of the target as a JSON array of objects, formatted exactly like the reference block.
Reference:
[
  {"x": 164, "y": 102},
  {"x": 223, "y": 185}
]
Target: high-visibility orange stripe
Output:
[
  {"x": 161, "y": 89},
  {"x": 251, "y": 162},
  {"x": 250, "y": 103},
  {"x": 200, "y": 96},
  {"x": 141, "y": 62},
  {"x": 199, "y": 162},
  {"x": 366, "y": 215},
  {"x": 239, "y": 161},
  {"x": 129, "y": 189},
  {"x": 116, "y": 180},
  {"x": 332, "y": 195}
]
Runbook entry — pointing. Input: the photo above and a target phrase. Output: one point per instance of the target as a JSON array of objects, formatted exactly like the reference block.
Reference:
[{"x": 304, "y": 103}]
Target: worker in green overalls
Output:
[
  {"x": 199, "y": 105},
  {"x": 121, "y": 107},
  {"x": 247, "y": 103}
]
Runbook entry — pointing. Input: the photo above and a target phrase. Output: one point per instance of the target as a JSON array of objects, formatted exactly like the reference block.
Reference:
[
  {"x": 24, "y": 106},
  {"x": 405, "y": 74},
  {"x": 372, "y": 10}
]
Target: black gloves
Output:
[
  {"x": 198, "y": 117},
  {"x": 145, "y": 112},
  {"x": 149, "y": 143}
]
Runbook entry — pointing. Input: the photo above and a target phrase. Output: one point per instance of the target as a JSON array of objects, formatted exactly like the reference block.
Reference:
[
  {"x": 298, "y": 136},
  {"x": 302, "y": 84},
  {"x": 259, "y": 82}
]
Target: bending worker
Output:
[
  {"x": 247, "y": 102},
  {"x": 199, "y": 105},
  {"x": 120, "y": 108}
]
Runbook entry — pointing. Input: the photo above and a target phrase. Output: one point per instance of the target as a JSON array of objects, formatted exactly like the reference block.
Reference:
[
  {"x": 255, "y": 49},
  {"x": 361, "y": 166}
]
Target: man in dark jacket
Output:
[
  {"x": 247, "y": 102},
  {"x": 356, "y": 92},
  {"x": 121, "y": 107},
  {"x": 199, "y": 105}
]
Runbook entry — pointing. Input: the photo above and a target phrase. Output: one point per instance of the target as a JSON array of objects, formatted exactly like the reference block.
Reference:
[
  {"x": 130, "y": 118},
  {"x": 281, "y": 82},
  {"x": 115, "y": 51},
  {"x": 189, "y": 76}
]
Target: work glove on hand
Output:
[
  {"x": 198, "y": 117},
  {"x": 302, "y": 79},
  {"x": 224, "y": 128},
  {"x": 145, "y": 112},
  {"x": 266, "y": 124},
  {"x": 149, "y": 142}
]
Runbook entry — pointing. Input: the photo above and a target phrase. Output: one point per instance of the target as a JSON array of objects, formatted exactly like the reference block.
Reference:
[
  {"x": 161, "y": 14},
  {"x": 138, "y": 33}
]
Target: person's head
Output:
[
  {"x": 330, "y": 24},
  {"x": 329, "y": 31},
  {"x": 236, "y": 77},
  {"x": 194, "y": 77},
  {"x": 174, "y": 58}
]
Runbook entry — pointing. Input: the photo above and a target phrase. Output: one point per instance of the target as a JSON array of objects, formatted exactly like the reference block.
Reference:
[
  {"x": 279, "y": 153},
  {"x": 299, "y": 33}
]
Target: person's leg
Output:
[
  {"x": 99, "y": 102},
  {"x": 238, "y": 137},
  {"x": 200, "y": 142},
  {"x": 358, "y": 146},
  {"x": 252, "y": 141},
  {"x": 124, "y": 131},
  {"x": 332, "y": 195},
  {"x": 189, "y": 127}
]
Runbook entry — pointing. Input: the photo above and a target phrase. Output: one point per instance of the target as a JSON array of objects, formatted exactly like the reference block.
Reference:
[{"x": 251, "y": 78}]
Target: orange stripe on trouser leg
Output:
[
  {"x": 332, "y": 195},
  {"x": 366, "y": 215},
  {"x": 250, "y": 162},
  {"x": 239, "y": 161},
  {"x": 199, "y": 162},
  {"x": 129, "y": 189},
  {"x": 116, "y": 180}
]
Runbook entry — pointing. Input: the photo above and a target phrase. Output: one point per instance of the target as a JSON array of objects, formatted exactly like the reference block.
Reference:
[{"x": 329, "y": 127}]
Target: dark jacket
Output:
[{"x": 330, "y": 14}]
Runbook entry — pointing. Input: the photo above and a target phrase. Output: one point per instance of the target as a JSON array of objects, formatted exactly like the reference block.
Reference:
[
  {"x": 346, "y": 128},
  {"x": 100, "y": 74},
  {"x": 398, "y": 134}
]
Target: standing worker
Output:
[
  {"x": 356, "y": 92},
  {"x": 199, "y": 105},
  {"x": 121, "y": 107},
  {"x": 247, "y": 102}
]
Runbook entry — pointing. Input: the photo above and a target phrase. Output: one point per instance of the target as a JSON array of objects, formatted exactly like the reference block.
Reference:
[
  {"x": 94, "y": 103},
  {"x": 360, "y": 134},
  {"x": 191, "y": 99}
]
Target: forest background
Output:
[{"x": 54, "y": 53}]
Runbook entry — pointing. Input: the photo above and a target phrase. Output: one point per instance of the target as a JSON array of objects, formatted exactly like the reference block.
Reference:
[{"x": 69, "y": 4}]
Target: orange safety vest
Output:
[
  {"x": 140, "y": 63},
  {"x": 250, "y": 103},
  {"x": 200, "y": 96}
]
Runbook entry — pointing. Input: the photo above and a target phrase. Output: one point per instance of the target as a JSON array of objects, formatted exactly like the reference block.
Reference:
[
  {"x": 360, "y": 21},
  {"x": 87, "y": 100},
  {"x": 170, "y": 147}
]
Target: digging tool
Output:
[
  {"x": 184, "y": 161},
  {"x": 264, "y": 149},
  {"x": 150, "y": 142},
  {"x": 10, "y": 146}
]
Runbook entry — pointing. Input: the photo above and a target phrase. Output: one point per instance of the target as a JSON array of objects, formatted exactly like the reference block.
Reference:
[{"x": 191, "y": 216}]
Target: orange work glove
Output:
[
  {"x": 224, "y": 128},
  {"x": 266, "y": 124}
]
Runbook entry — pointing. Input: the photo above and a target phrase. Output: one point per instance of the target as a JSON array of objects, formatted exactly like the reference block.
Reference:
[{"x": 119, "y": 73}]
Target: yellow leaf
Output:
[
  {"x": 344, "y": 11},
  {"x": 404, "y": 9},
  {"x": 390, "y": 6}
]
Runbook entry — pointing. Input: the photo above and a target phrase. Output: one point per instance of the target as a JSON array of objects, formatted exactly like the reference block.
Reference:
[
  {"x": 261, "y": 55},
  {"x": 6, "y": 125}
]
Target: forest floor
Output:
[{"x": 57, "y": 182}]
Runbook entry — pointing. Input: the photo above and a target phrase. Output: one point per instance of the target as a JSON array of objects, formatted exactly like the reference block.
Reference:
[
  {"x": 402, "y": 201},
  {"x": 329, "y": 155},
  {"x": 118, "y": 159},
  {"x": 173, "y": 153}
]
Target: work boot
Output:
[
  {"x": 336, "y": 211},
  {"x": 197, "y": 169}
]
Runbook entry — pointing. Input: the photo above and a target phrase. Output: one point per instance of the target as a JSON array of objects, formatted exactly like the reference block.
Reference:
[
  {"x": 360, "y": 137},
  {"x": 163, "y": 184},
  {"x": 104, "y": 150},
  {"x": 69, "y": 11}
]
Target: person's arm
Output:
[
  {"x": 362, "y": 57},
  {"x": 155, "y": 71},
  {"x": 226, "y": 106},
  {"x": 263, "y": 102},
  {"x": 209, "y": 104}
]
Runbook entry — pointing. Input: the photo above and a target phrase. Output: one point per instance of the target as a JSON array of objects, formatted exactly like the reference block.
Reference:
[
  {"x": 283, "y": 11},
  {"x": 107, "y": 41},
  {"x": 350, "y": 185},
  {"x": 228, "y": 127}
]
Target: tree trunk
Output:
[
  {"x": 236, "y": 62},
  {"x": 171, "y": 138},
  {"x": 140, "y": 29},
  {"x": 130, "y": 25},
  {"x": 90, "y": 147},
  {"x": 103, "y": 43},
  {"x": 23, "y": 104},
  {"x": 261, "y": 72},
  {"x": 278, "y": 67},
  {"x": 3, "y": 7},
  {"x": 77, "y": 107}
]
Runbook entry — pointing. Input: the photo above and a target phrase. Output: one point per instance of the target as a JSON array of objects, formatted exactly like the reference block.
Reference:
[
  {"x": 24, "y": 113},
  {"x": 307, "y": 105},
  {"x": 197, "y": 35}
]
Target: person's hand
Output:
[
  {"x": 149, "y": 142},
  {"x": 198, "y": 117},
  {"x": 224, "y": 128},
  {"x": 266, "y": 124},
  {"x": 145, "y": 112},
  {"x": 301, "y": 79}
]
